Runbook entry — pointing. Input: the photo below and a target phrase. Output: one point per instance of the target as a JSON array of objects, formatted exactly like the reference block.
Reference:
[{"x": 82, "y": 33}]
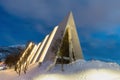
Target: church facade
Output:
[{"x": 61, "y": 46}]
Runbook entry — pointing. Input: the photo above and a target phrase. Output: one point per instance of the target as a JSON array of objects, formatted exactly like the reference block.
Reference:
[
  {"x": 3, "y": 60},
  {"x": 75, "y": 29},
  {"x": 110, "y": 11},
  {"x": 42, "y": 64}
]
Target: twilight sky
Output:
[{"x": 97, "y": 21}]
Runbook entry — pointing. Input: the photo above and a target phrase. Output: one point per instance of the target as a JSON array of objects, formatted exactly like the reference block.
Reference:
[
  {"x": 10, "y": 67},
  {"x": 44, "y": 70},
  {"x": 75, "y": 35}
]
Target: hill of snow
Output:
[{"x": 79, "y": 70}]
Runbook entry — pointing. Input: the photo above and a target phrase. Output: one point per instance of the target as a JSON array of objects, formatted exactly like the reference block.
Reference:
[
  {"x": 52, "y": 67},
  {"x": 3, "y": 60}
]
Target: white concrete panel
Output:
[
  {"x": 29, "y": 46},
  {"x": 36, "y": 54},
  {"x": 48, "y": 44},
  {"x": 32, "y": 53},
  {"x": 74, "y": 38},
  {"x": 39, "y": 51}
]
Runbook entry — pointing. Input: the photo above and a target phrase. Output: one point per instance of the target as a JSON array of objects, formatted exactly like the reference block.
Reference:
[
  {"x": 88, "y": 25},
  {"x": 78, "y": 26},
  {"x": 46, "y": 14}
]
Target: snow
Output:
[
  {"x": 79, "y": 70},
  {"x": 18, "y": 45}
]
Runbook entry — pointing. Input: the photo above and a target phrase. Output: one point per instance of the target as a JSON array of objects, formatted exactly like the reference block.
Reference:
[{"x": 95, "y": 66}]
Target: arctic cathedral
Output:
[{"x": 61, "y": 46}]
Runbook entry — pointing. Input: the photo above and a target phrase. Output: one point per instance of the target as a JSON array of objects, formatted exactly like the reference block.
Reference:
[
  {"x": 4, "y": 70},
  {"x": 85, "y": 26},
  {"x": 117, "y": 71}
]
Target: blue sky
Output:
[{"x": 97, "y": 21}]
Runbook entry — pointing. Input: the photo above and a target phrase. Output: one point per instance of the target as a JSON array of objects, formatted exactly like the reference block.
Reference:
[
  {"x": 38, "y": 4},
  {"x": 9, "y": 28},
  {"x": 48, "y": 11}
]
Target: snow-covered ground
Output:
[{"x": 79, "y": 70}]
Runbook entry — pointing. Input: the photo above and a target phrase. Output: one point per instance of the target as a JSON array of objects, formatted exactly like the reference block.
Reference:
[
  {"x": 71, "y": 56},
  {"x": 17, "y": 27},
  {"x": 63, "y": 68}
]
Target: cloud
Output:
[
  {"x": 90, "y": 15},
  {"x": 93, "y": 12}
]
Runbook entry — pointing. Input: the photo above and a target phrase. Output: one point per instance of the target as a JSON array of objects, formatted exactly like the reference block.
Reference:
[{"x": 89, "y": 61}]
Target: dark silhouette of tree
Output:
[{"x": 11, "y": 60}]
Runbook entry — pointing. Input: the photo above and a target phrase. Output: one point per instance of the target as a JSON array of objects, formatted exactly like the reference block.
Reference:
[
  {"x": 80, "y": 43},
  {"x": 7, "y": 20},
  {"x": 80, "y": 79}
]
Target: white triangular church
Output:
[{"x": 61, "y": 45}]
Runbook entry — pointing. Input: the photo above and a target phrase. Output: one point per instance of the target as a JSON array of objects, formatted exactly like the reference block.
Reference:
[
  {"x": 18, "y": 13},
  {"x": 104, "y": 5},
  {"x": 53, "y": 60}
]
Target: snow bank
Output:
[
  {"x": 83, "y": 70},
  {"x": 79, "y": 70}
]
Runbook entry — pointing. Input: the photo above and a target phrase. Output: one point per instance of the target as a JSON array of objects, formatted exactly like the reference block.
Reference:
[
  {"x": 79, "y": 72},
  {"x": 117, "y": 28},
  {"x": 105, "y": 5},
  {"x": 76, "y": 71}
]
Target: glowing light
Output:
[
  {"x": 37, "y": 53},
  {"x": 27, "y": 62},
  {"x": 102, "y": 75},
  {"x": 93, "y": 74},
  {"x": 48, "y": 44},
  {"x": 29, "y": 46},
  {"x": 33, "y": 53},
  {"x": 50, "y": 77}
]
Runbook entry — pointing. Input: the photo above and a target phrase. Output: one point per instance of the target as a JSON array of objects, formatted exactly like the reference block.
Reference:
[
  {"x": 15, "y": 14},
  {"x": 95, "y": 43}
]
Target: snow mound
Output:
[
  {"x": 78, "y": 70},
  {"x": 83, "y": 70}
]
